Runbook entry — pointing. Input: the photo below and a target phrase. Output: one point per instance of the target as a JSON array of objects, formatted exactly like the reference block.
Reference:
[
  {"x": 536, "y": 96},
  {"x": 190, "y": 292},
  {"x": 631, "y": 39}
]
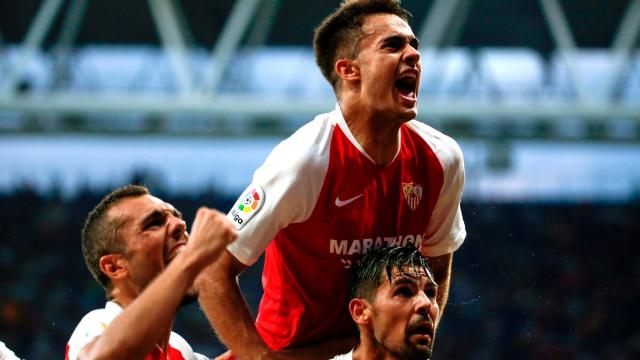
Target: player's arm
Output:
[
  {"x": 441, "y": 267},
  {"x": 134, "y": 333},
  {"x": 446, "y": 231},
  {"x": 228, "y": 313},
  {"x": 283, "y": 191},
  {"x": 226, "y": 309}
]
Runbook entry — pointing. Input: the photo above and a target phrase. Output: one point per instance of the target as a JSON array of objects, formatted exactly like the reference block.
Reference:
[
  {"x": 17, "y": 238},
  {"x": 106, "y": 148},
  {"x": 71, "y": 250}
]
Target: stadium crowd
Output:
[{"x": 532, "y": 281}]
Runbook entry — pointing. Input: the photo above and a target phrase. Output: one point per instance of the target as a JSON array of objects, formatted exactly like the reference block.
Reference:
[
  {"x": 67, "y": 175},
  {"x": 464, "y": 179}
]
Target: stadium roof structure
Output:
[{"x": 530, "y": 69}]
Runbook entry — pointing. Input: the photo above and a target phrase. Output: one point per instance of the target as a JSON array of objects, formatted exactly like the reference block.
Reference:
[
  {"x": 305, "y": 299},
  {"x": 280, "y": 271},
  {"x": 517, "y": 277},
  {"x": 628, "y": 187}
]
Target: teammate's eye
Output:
[
  {"x": 431, "y": 292},
  {"x": 154, "y": 222},
  {"x": 415, "y": 43},
  {"x": 393, "y": 44},
  {"x": 404, "y": 291}
]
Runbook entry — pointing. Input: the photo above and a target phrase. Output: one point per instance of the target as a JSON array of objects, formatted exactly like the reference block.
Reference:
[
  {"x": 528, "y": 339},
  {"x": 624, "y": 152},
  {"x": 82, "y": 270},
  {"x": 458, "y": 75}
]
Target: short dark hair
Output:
[
  {"x": 338, "y": 34},
  {"x": 100, "y": 236},
  {"x": 368, "y": 273}
]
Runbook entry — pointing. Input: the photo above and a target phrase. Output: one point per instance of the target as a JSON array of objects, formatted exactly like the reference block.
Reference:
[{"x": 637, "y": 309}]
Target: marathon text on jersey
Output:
[{"x": 361, "y": 246}]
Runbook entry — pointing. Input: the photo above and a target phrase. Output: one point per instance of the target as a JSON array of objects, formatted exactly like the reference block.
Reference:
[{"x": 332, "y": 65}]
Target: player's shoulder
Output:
[
  {"x": 443, "y": 145},
  {"x": 431, "y": 134},
  {"x": 347, "y": 356},
  {"x": 6, "y": 353},
  {"x": 179, "y": 343},
  {"x": 90, "y": 326},
  {"x": 308, "y": 146},
  {"x": 95, "y": 321}
]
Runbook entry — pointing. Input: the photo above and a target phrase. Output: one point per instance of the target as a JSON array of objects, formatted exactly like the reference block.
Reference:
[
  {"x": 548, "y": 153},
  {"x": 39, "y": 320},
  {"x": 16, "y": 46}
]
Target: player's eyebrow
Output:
[
  {"x": 399, "y": 40},
  {"x": 411, "y": 277},
  {"x": 402, "y": 280},
  {"x": 176, "y": 212}
]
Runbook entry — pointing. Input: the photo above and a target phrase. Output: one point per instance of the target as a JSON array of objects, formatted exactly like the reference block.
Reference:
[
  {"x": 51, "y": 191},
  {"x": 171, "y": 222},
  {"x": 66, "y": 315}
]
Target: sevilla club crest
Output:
[{"x": 412, "y": 194}]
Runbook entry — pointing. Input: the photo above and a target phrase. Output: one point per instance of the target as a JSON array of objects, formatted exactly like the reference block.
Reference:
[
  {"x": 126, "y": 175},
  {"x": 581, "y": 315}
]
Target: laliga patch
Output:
[{"x": 246, "y": 206}]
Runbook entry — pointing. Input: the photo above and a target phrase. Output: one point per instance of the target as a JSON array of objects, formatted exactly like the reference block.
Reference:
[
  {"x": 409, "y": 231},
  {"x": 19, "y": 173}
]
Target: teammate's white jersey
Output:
[
  {"x": 347, "y": 356},
  {"x": 94, "y": 324}
]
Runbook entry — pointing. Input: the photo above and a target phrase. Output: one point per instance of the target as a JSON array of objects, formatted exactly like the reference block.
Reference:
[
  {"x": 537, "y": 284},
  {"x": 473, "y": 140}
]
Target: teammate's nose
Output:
[
  {"x": 411, "y": 55},
  {"x": 177, "y": 227},
  {"x": 424, "y": 303}
]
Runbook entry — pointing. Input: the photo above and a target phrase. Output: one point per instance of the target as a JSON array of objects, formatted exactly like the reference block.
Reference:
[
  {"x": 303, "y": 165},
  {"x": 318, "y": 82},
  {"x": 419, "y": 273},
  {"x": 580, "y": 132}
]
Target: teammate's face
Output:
[
  {"x": 403, "y": 315},
  {"x": 389, "y": 64},
  {"x": 153, "y": 233}
]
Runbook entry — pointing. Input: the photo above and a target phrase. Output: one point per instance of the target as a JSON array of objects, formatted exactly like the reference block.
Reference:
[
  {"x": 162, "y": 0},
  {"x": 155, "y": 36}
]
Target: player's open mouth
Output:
[
  {"x": 406, "y": 85},
  {"x": 174, "y": 251},
  {"x": 422, "y": 334}
]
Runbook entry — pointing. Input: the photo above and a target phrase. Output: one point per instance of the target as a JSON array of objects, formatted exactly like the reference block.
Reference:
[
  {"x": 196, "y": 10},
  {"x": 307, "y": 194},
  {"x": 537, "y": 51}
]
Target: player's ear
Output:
[
  {"x": 113, "y": 265},
  {"x": 347, "y": 70},
  {"x": 360, "y": 311}
]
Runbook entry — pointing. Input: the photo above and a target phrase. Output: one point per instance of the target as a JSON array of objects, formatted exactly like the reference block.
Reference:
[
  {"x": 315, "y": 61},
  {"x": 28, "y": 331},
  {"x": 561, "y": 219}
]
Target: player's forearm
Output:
[
  {"x": 148, "y": 319},
  {"x": 228, "y": 313},
  {"x": 441, "y": 267}
]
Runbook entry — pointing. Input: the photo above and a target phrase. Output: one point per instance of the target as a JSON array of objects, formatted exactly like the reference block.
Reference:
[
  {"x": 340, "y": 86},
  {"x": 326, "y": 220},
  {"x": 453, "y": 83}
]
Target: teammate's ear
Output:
[
  {"x": 360, "y": 311},
  {"x": 113, "y": 265},
  {"x": 347, "y": 70}
]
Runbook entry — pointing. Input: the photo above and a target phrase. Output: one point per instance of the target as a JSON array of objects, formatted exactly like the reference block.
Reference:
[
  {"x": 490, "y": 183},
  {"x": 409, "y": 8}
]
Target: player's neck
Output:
[
  {"x": 377, "y": 136},
  {"x": 370, "y": 350}
]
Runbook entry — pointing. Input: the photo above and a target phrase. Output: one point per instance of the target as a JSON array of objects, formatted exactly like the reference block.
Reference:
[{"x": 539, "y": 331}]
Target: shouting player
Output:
[
  {"x": 138, "y": 249},
  {"x": 363, "y": 176}
]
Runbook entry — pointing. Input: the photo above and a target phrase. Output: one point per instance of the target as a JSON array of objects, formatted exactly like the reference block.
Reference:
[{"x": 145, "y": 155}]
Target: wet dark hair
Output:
[
  {"x": 368, "y": 273},
  {"x": 339, "y": 34},
  {"x": 99, "y": 233}
]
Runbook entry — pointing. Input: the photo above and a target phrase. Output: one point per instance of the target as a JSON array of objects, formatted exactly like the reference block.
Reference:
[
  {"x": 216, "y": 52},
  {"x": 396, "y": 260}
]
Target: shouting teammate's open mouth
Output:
[{"x": 407, "y": 87}]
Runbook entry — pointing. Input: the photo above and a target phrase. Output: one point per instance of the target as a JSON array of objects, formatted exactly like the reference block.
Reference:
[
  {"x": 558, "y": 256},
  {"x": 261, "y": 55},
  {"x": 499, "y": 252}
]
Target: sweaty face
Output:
[
  {"x": 389, "y": 64},
  {"x": 404, "y": 312},
  {"x": 153, "y": 232}
]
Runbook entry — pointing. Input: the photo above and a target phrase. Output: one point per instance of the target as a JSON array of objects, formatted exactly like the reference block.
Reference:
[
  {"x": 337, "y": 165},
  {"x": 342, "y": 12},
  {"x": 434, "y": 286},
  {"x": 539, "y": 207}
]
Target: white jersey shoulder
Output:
[
  {"x": 6, "y": 353},
  {"x": 446, "y": 231},
  {"x": 91, "y": 326},
  {"x": 444, "y": 147},
  {"x": 347, "y": 356},
  {"x": 94, "y": 323},
  {"x": 287, "y": 184}
]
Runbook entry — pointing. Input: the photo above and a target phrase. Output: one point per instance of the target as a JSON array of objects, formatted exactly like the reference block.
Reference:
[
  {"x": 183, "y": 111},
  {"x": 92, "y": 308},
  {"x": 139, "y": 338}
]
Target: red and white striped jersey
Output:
[
  {"x": 94, "y": 324},
  {"x": 319, "y": 202}
]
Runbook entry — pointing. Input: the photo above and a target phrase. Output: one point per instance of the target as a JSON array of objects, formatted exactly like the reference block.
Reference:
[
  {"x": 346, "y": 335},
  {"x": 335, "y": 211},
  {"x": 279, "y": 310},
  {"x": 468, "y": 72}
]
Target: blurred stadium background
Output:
[{"x": 188, "y": 97}]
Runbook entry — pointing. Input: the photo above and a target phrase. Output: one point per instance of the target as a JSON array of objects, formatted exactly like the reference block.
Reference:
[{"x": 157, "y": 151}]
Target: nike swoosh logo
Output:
[{"x": 341, "y": 203}]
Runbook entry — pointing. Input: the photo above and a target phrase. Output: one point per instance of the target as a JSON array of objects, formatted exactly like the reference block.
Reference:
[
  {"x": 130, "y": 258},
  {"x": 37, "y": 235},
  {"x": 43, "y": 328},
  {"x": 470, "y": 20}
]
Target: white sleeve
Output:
[
  {"x": 91, "y": 326},
  {"x": 445, "y": 231},
  {"x": 284, "y": 190},
  {"x": 6, "y": 353},
  {"x": 179, "y": 343},
  {"x": 347, "y": 356}
]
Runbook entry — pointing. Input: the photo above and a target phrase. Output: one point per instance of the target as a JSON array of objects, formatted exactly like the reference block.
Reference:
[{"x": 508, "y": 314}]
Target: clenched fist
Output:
[{"x": 211, "y": 232}]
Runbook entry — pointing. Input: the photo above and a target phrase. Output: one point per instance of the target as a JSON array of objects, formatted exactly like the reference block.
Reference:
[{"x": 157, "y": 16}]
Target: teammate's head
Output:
[
  {"x": 393, "y": 303},
  {"x": 100, "y": 236},
  {"x": 339, "y": 34}
]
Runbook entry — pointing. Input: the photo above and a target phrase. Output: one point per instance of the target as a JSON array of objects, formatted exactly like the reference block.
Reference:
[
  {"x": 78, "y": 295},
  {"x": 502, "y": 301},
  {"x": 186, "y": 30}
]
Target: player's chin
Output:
[
  {"x": 421, "y": 346},
  {"x": 421, "y": 352},
  {"x": 410, "y": 113}
]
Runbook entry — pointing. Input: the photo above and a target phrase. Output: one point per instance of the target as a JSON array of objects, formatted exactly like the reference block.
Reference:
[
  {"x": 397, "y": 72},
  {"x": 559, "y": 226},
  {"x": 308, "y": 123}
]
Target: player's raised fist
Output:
[{"x": 211, "y": 232}]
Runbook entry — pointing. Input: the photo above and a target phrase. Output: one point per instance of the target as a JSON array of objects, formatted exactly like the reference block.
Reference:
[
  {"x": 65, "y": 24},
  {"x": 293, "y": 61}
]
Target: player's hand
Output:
[{"x": 211, "y": 232}]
